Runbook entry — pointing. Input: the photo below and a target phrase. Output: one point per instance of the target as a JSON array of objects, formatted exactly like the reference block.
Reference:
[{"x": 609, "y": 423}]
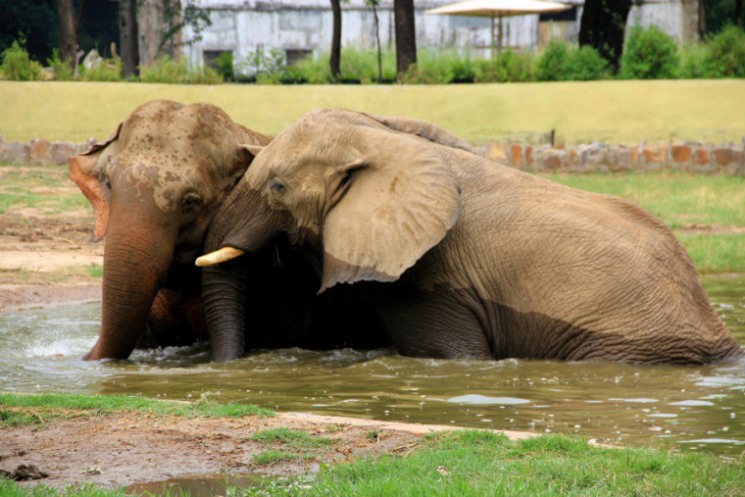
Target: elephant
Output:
[
  {"x": 462, "y": 257},
  {"x": 154, "y": 185}
]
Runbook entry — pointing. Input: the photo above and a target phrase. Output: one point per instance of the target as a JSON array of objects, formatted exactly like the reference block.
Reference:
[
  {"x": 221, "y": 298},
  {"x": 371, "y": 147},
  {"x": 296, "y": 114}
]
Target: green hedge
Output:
[{"x": 649, "y": 54}]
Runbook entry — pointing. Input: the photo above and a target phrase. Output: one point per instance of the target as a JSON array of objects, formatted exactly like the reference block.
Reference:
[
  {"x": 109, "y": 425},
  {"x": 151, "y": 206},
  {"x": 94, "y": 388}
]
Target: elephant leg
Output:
[
  {"x": 175, "y": 319},
  {"x": 437, "y": 323}
]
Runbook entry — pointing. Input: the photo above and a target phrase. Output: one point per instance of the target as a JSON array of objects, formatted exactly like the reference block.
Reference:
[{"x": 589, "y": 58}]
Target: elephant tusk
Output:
[{"x": 223, "y": 254}]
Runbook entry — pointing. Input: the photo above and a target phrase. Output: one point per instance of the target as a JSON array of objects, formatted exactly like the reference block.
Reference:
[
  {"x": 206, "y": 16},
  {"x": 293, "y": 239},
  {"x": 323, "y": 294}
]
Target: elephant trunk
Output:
[
  {"x": 224, "y": 303},
  {"x": 224, "y": 285},
  {"x": 136, "y": 262}
]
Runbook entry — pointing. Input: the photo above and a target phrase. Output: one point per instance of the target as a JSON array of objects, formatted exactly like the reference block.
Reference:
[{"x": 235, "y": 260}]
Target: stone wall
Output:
[
  {"x": 600, "y": 157},
  {"x": 595, "y": 157},
  {"x": 41, "y": 151}
]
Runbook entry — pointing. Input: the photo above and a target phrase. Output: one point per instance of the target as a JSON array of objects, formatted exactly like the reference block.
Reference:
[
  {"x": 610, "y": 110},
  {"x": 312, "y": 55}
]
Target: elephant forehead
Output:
[{"x": 160, "y": 178}]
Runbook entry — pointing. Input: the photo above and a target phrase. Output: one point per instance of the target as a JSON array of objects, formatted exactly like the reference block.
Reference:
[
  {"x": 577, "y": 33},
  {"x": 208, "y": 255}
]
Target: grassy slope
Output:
[{"x": 611, "y": 111}]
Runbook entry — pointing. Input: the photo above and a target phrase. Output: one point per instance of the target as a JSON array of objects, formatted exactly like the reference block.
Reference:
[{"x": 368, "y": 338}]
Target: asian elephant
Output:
[
  {"x": 462, "y": 257},
  {"x": 154, "y": 185}
]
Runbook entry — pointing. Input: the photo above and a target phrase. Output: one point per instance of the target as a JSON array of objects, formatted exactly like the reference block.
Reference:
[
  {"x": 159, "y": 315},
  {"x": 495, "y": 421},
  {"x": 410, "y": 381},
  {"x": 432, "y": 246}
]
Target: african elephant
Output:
[
  {"x": 154, "y": 185},
  {"x": 465, "y": 258}
]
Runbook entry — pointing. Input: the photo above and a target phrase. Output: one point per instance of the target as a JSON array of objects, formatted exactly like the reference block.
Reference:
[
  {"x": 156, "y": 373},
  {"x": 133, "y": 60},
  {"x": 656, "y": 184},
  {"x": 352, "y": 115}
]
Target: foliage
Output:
[
  {"x": 559, "y": 62},
  {"x": 586, "y": 64},
  {"x": 102, "y": 70},
  {"x": 361, "y": 66},
  {"x": 694, "y": 62},
  {"x": 264, "y": 66},
  {"x": 726, "y": 53},
  {"x": 649, "y": 54},
  {"x": 552, "y": 64},
  {"x": 61, "y": 70},
  {"x": 509, "y": 67},
  {"x": 441, "y": 68},
  {"x": 224, "y": 65},
  {"x": 17, "y": 65},
  {"x": 166, "y": 70}
]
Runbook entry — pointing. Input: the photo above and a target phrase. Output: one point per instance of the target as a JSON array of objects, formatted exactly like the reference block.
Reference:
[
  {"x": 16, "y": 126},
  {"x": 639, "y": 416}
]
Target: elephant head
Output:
[
  {"x": 155, "y": 184},
  {"x": 364, "y": 216}
]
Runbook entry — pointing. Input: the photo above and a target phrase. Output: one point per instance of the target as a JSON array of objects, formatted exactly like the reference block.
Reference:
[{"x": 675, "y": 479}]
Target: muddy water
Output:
[{"x": 690, "y": 408}]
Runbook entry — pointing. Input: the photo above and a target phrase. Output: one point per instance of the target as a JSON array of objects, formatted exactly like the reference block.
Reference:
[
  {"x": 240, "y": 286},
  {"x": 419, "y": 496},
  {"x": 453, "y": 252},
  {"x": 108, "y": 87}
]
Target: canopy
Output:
[{"x": 497, "y": 9}]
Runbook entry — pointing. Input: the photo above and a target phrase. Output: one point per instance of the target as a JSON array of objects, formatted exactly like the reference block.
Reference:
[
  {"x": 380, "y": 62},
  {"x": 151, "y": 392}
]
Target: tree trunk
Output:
[
  {"x": 128, "y": 37},
  {"x": 335, "y": 57},
  {"x": 403, "y": 13},
  {"x": 377, "y": 40},
  {"x": 602, "y": 27},
  {"x": 68, "y": 39}
]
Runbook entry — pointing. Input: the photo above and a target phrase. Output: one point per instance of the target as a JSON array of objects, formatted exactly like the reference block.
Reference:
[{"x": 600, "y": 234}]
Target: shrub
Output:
[
  {"x": 440, "y": 68},
  {"x": 17, "y": 65},
  {"x": 102, "y": 70},
  {"x": 224, "y": 65},
  {"x": 552, "y": 64},
  {"x": 60, "y": 69},
  {"x": 649, "y": 54},
  {"x": 694, "y": 62},
  {"x": 166, "y": 70},
  {"x": 586, "y": 64},
  {"x": 315, "y": 71},
  {"x": 726, "y": 53},
  {"x": 509, "y": 67},
  {"x": 362, "y": 66}
]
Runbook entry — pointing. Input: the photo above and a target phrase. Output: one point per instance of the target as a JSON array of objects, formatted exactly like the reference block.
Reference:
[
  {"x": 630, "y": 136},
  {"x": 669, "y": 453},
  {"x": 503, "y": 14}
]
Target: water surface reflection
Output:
[{"x": 692, "y": 408}]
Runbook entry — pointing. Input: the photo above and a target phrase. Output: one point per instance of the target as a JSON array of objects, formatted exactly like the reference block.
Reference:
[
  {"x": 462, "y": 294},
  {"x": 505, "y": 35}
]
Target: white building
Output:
[{"x": 303, "y": 27}]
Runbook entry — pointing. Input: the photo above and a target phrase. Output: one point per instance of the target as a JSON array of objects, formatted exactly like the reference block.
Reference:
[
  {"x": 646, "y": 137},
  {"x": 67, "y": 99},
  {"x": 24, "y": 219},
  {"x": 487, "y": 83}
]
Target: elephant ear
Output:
[
  {"x": 88, "y": 177},
  {"x": 399, "y": 204}
]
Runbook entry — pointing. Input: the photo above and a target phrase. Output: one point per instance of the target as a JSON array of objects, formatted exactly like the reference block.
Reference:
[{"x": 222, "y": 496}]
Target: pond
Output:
[{"x": 688, "y": 408}]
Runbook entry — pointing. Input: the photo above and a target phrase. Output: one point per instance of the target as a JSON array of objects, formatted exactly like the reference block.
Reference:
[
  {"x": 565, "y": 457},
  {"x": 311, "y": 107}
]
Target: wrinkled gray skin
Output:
[
  {"x": 154, "y": 186},
  {"x": 465, "y": 258}
]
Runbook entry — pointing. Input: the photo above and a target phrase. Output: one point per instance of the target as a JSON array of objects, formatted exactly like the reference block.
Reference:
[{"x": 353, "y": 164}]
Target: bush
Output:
[
  {"x": 440, "y": 69},
  {"x": 315, "y": 71},
  {"x": 726, "y": 53},
  {"x": 552, "y": 64},
  {"x": 224, "y": 66},
  {"x": 165, "y": 70},
  {"x": 586, "y": 64},
  {"x": 509, "y": 67},
  {"x": 362, "y": 66},
  {"x": 102, "y": 70},
  {"x": 60, "y": 69},
  {"x": 649, "y": 54},
  {"x": 694, "y": 62},
  {"x": 17, "y": 65}
]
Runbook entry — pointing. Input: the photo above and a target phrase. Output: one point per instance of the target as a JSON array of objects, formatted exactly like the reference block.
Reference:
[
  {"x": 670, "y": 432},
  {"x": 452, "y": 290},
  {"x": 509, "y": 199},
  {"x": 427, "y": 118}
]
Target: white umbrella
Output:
[{"x": 497, "y": 9}]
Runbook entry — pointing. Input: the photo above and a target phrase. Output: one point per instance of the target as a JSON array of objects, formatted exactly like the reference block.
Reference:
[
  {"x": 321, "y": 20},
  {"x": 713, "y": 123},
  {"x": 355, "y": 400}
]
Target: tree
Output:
[
  {"x": 376, "y": 21},
  {"x": 403, "y": 13},
  {"x": 602, "y": 27},
  {"x": 128, "y": 49},
  {"x": 335, "y": 57},
  {"x": 68, "y": 43}
]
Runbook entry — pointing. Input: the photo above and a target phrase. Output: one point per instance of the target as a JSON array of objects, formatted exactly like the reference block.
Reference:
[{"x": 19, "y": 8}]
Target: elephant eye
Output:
[
  {"x": 190, "y": 203},
  {"x": 277, "y": 187}
]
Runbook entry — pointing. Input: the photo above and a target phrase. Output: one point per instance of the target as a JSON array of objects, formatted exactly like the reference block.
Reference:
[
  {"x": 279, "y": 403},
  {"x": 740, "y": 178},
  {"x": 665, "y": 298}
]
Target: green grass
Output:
[
  {"x": 683, "y": 201},
  {"x": 29, "y": 186},
  {"x": 482, "y": 463},
  {"x": 678, "y": 199},
  {"x": 110, "y": 403},
  {"x": 287, "y": 445},
  {"x": 610, "y": 111}
]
